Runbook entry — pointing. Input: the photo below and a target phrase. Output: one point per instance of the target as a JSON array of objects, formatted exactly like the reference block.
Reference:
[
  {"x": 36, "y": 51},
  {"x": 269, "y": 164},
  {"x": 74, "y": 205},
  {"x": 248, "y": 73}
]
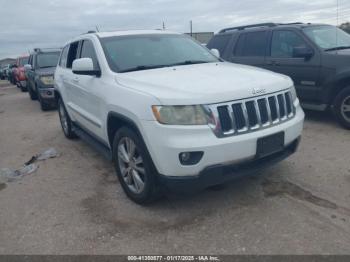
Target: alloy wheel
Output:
[
  {"x": 131, "y": 165},
  {"x": 345, "y": 108}
]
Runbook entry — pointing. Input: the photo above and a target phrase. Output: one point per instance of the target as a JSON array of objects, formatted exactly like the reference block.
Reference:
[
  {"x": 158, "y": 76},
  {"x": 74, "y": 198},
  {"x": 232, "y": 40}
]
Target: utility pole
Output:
[
  {"x": 191, "y": 28},
  {"x": 163, "y": 25}
]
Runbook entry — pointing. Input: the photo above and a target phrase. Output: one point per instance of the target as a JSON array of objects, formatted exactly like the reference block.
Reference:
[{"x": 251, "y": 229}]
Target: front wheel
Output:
[
  {"x": 32, "y": 94},
  {"x": 65, "y": 120},
  {"x": 43, "y": 105},
  {"x": 134, "y": 167},
  {"x": 342, "y": 107}
]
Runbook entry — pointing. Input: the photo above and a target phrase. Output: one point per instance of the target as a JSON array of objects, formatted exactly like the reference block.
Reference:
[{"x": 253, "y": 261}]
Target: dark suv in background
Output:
[
  {"x": 39, "y": 71},
  {"x": 315, "y": 56}
]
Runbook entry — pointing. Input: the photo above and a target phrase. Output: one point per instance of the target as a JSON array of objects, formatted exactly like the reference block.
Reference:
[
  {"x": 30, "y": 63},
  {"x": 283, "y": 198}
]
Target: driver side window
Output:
[{"x": 284, "y": 42}]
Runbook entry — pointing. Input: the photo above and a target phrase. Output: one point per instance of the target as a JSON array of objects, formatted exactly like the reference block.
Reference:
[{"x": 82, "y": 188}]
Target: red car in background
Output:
[{"x": 18, "y": 73}]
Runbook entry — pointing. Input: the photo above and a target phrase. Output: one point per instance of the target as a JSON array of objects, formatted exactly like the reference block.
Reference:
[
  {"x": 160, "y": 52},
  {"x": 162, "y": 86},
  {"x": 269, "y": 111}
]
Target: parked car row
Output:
[{"x": 173, "y": 115}]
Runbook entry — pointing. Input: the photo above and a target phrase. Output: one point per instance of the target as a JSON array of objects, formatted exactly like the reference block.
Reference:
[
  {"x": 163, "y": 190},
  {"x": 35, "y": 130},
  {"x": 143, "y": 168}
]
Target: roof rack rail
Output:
[
  {"x": 248, "y": 26},
  {"x": 39, "y": 49},
  {"x": 293, "y": 23}
]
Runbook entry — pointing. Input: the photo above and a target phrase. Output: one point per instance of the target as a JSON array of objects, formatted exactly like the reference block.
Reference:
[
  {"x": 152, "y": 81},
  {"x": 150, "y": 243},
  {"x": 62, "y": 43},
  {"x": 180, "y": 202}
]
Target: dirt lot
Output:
[{"x": 73, "y": 204}]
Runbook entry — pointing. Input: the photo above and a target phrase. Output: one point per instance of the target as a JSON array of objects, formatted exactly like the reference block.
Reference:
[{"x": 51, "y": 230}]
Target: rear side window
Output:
[
  {"x": 63, "y": 59},
  {"x": 88, "y": 51},
  {"x": 72, "y": 54},
  {"x": 284, "y": 42},
  {"x": 219, "y": 42},
  {"x": 251, "y": 44}
]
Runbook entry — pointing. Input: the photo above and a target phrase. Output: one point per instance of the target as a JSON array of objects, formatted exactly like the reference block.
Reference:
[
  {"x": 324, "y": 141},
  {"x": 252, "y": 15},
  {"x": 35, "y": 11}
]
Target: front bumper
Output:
[
  {"x": 219, "y": 174},
  {"x": 165, "y": 143}
]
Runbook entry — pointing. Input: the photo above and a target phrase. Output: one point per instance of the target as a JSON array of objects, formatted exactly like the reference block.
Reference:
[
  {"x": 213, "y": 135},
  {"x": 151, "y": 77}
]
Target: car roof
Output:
[
  {"x": 45, "y": 50},
  {"x": 122, "y": 33},
  {"x": 298, "y": 25}
]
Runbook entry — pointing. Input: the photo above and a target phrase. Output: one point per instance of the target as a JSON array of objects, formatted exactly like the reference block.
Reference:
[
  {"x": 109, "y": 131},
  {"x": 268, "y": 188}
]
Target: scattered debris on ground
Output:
[{"x": 10, "y": 175}]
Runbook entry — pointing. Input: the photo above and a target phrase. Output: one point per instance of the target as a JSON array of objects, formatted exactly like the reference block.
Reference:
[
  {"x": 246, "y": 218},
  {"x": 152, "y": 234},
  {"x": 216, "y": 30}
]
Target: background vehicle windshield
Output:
[
  {"x": 328, "y": 37},
  {"x": 23, "y": 61},
  {"x": 47, "y": 59},
  {"x": 130, "y": 53}
]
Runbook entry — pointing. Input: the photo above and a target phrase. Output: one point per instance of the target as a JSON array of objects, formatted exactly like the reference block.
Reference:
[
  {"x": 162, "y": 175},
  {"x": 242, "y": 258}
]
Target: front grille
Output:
[{"x": 252, "y": 114}]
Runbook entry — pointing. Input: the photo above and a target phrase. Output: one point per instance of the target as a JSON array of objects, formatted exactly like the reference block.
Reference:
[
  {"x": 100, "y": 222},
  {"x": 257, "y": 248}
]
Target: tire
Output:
[
  {"x": 32, "y": 94},
  {"x": 342, "y": 107},
  {"x": 140, "y": 168},
  {"x": 43, "y": 105},
  {"x": 24, "y": 89},
  {"x": 65, "y": 121}
]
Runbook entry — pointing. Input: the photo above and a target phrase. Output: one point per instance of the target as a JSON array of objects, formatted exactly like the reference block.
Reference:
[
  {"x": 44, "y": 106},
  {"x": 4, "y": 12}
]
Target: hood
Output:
[
  {"x": 204, "y": 83},
  {"x": 45, "y": 71}
]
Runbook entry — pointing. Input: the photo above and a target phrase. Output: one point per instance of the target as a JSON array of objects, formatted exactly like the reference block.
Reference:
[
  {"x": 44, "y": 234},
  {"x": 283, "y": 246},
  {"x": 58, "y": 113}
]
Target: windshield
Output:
[
  {"x": 23, "y": 61},
  {"x": 47, "y": 59},
  {"x": 328, "y": 37},
  {"x": 141, "y": 52}
]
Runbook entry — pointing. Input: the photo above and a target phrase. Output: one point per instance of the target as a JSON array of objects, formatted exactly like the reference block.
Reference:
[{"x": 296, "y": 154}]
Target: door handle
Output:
[{"x": 75, "y": 80}]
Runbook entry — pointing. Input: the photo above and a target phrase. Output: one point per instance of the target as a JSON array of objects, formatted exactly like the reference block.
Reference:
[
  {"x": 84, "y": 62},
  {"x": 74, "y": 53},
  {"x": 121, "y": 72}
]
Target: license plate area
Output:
[{"x": 270, "y": 144}]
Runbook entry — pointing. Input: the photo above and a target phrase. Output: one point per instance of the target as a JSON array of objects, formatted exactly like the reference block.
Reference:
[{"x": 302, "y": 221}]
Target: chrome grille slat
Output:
[
  {"x": 235, "y": 118},
  {"x": 268, "y": 110},
  {"x": 245, "y": 114}
]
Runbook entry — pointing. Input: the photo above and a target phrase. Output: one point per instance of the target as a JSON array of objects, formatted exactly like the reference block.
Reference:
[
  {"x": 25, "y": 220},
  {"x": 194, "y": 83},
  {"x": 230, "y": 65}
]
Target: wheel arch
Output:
[
  {"x": 115, "y": 121},
  {"x": 339, "y": 84}
]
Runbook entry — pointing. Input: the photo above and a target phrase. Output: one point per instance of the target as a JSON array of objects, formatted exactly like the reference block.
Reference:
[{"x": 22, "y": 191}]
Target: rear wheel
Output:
[
  {"x": 134, "y": 167},
  {"x": 65, "y": 120},
  {"x": 342, "y": 107}
]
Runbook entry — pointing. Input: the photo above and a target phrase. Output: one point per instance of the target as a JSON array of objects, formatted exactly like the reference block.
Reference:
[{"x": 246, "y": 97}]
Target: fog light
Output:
[
  {"x": 184, "y": 157},
  {"x": 190, "y": 158}
]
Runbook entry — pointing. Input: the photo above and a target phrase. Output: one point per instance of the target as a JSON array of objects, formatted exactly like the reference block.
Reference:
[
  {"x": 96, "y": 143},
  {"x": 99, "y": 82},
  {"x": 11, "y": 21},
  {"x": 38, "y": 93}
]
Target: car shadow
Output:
[{"x": 326, "y": 117}]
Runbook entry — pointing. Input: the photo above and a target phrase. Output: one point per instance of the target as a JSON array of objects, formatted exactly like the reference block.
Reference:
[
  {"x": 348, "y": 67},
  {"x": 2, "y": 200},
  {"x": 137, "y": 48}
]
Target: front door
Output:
[
  {"x": 85, "y": 97},
  {"x": 303, "y": 71}
]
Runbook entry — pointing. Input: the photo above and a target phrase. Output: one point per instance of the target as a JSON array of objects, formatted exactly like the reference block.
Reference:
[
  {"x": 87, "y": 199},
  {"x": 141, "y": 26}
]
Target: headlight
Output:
[
  {"x": 181, "y": 115},
  {"x": 294, "y": 93},
  {"x": 47, "y": 80}
]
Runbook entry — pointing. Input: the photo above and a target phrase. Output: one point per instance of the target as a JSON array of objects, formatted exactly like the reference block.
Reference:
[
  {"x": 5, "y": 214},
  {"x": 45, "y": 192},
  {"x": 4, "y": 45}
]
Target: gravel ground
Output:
[{"x": 74, "y": 204}]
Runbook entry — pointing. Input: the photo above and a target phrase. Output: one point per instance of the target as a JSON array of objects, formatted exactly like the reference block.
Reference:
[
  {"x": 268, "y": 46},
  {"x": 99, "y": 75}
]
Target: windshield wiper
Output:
[
  {"x": 46, "y": 66},
  {"x": 147, "y": 67},
  {"x": 142, "y": 67},
  {"x": 337, "y": 48},
  {"x": 190, "y": 62}
]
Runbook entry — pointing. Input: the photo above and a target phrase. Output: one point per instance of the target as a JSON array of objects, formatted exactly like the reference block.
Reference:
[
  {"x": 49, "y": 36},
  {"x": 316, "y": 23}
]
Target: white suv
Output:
[{"x": 170, "y": 113}]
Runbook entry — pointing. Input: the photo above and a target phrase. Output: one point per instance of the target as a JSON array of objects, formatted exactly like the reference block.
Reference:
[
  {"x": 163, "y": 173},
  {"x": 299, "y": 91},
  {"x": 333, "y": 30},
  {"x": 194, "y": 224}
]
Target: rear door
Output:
[
  {"x": 69, "y": 80},
  {"x": 304, "y": 72},
  {"x": 250, "y": 48}
]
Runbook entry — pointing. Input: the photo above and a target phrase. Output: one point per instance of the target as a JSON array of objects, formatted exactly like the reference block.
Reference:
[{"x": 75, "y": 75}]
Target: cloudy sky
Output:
[{"x": 25, "y": 24}]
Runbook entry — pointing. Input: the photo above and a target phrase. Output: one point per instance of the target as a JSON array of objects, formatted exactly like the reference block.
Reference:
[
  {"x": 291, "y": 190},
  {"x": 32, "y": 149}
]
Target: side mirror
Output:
[
  {"x": 215, "y": 52},
  {"x": 27, "y": 67},
  {"x": 84, "y": 66},
  {"x": 303, "y": 52}
]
